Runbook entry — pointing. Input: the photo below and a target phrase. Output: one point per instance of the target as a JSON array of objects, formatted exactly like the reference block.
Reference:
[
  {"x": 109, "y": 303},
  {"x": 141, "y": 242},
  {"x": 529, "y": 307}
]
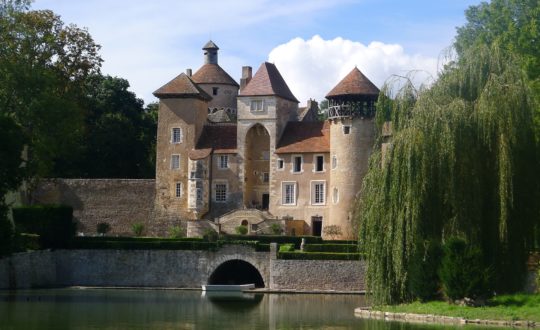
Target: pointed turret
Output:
[{"x": 268, "y": 82}]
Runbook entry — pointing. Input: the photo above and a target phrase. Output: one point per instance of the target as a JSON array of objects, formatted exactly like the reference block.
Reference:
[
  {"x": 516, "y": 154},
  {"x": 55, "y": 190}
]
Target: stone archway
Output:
[
  {"x": 257, "y": 166},
  {"x": 236, "y": 271}
]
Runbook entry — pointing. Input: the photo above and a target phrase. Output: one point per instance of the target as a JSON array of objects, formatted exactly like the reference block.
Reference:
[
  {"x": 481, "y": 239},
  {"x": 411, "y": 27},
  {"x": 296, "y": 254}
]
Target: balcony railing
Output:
[{"x": 351, "y": 110}]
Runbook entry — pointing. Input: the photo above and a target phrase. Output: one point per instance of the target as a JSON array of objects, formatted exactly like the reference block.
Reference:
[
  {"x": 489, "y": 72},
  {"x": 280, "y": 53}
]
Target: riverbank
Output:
[{"x": 519, "y": 310}]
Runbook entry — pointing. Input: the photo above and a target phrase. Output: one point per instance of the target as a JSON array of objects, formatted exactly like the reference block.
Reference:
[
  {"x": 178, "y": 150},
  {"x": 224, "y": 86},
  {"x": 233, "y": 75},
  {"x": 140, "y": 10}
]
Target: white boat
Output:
[{"x": 227, "y": 287}]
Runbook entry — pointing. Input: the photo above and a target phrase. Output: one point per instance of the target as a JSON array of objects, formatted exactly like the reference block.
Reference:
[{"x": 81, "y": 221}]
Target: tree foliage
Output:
[{"x": 462, "y": 162}]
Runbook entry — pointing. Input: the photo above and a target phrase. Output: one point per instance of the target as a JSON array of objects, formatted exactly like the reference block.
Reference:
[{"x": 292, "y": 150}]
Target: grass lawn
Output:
[{"x": 505, "y": 307}]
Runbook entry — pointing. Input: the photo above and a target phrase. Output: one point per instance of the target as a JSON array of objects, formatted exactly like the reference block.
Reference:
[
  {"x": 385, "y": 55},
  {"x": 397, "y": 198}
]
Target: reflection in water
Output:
[
  {"x": 233, "y": 301},
  {"x": 170, "y": 309}
]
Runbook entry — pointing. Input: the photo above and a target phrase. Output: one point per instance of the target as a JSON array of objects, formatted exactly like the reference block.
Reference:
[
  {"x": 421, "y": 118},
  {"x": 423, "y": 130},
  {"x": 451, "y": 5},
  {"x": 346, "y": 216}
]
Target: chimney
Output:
[
  {"x": 246, "y": 76},
  {"x": 188, "y": 72}
]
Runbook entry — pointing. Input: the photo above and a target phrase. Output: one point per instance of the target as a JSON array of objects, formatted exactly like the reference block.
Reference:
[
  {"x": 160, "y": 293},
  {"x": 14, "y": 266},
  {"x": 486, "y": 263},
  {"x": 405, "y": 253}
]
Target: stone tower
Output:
[
  {"x": 183, "y": 109},
  {"x": 265, "y": 106},
  {"x": 216, "y": 82},
  {"x": 352, "y": 134}
]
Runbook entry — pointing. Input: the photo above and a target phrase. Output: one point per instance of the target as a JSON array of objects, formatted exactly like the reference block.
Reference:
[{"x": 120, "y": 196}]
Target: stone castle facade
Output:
[{"x": 232, "y": 154}]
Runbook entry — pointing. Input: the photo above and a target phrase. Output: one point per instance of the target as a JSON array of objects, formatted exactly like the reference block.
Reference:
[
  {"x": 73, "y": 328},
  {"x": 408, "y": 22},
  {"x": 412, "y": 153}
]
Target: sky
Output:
[{"x": 313, "y": 43}]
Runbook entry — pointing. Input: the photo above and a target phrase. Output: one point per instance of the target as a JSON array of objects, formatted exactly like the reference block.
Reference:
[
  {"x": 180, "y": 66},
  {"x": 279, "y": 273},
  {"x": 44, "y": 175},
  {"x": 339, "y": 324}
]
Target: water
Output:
[{"x": 170, "y": 309}]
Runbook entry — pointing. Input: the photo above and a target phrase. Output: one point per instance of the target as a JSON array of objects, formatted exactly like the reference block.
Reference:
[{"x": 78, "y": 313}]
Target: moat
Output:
[{"x": 180, "y": 309}]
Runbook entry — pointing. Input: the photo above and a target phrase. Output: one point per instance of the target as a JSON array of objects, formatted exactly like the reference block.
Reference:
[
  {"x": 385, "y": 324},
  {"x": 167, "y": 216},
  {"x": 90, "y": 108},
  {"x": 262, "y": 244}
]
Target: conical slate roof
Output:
[
  {"x": 213, "y": 74},
  {"x": 210, "y": 45},
  {"x": 355, "y": 83},
  {"x": 268, "y": 81},
  {"x": 181, "y": 87}
]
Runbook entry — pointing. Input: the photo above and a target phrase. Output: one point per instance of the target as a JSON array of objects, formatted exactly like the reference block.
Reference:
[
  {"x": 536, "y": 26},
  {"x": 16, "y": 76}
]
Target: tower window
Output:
[
  {"x": 346, "y": 129},
  {"x": 175, "y": 162},
  {"x": 223, "y": 162},
  {"x": 178, "y": 189},
  {"x": 266, "y": 177},
  {"x": 215, "y": 90},
  {"x": 280, "y": 164},
  {"x": 220, "y": 192},
  {"x": 335, "y": 196},
  {"x": 176, "y": 135},
  {"x": 257, "y": 105}
]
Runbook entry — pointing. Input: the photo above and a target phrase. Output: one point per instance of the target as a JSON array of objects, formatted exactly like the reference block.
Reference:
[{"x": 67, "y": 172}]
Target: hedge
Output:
[
  {"x": 142, "y": 244},
  {"x": 53, "y": 223},
  {"x": 341, "y": 241},
  {"x": 280, "y": 239},
  {"x": 319, "y": 256},
  {"x": 140, "y": 239},
  {"x": 27, "y": 242},
  {"x": 340, "y": 248}
]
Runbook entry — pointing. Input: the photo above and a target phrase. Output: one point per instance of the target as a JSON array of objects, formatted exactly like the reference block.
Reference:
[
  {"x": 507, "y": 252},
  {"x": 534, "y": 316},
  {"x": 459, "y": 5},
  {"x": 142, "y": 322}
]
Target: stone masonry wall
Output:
[
  {"x": 339, "y": 275},
  {"x": 119, "y": 202}
]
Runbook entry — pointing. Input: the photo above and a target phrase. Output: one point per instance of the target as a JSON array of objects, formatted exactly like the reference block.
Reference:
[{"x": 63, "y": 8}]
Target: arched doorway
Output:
[
  {"x": 236, "y": 272},
  {"x": 257, "y": 168}
]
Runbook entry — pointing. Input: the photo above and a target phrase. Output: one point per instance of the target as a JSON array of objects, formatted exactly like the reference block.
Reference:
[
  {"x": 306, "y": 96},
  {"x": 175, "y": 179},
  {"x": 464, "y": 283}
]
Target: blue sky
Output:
[{"x": 314, "y": 43}]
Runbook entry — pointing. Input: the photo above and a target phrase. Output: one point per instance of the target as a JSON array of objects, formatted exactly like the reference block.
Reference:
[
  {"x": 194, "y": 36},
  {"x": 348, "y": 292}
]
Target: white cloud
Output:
[{"x": 313, "y": 67}]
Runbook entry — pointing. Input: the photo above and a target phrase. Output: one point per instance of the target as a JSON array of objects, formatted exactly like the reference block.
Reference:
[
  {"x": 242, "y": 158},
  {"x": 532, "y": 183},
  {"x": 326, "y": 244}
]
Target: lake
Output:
[{"x": 73, "y": 308}]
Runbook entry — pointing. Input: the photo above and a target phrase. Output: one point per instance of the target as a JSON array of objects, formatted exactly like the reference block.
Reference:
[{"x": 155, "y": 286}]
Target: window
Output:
[
  {"x": 346, "y": 129},
  {"x": 220, "y": 192},
  {"x": 280, "y": 164},
  {"x": 257, "y": 105},
  {"x": 254, "y": 227},
  {"x": 175, "y": 162},
  {"x": 178, "y": 189},
  {"x": 319, "y": 163},
  {"x": 317, "y": 192},
  {"x": 335, "y": 196},
  {"x": 199, "y": 191},
  {"x": 176, "y": 135},
  {"x": 297, "y": 164},
  {"x": 334, "y": 161},
  {"x": 223, "y": 162},
  {"x": 266, "y": 177},
  {"x": 288, "y": 195},
  {"x": 215, "y": 90}
]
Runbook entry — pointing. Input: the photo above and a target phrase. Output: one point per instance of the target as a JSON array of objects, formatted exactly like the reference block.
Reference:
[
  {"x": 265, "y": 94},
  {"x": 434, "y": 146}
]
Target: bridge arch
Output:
[{"x": 236, "y": 271}]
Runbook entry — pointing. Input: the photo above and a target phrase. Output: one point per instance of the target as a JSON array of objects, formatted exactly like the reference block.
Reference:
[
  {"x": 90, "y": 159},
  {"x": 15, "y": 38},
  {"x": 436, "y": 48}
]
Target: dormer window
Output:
[{"x": 257, "y": 105}]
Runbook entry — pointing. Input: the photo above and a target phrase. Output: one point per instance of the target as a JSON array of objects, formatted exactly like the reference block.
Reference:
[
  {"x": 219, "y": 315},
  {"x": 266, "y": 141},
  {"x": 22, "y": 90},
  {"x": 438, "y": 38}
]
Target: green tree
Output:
[
  {"x": 463, "y": 162},
  {"x": 43, "y": 64},
  {"x": 11, "y": 174}
]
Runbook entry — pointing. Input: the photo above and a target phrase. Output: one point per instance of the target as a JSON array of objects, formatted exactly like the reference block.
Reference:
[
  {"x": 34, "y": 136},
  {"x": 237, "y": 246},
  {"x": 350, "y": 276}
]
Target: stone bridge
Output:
[{"x": 232, "y": 264}]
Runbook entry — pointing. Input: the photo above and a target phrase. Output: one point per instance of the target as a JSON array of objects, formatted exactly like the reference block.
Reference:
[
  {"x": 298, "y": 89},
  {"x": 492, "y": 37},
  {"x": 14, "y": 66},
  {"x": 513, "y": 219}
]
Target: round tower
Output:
[
  {"x": 210, "y": 53},
  {"x": 352, "y": 134}
]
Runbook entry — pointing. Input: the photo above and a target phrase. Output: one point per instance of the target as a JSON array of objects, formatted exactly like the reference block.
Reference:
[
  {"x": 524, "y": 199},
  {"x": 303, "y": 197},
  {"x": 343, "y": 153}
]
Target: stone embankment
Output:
[{"x": 367, "y": 313}]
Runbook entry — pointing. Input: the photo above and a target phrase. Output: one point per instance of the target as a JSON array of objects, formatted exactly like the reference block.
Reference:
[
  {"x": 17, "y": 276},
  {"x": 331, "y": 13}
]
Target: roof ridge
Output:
[{"x": 181, "y": 86}]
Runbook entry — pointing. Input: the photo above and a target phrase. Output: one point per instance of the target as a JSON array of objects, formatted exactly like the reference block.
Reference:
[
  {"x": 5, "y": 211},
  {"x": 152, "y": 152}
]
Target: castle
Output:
[{"x": 232, "y": 154}]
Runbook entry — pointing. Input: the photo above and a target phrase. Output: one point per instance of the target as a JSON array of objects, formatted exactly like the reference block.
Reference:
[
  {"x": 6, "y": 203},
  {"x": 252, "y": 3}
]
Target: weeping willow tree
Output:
[{"x": 462, "y": 162}]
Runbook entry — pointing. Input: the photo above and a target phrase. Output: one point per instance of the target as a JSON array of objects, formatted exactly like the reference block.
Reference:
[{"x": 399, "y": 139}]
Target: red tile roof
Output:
[
  {"x": 268, "y": 81},
  {"x": 221, "y": 138},
  {"x": 355, "y": 83},
  {"x": 181, "y": 87},
  {"x": 213, "y": 74},
  {"x": 302, "y": 137}
]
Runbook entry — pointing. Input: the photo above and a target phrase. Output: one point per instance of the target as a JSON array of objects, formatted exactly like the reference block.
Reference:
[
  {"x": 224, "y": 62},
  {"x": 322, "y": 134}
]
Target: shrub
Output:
[
  {"x": 286, "y": 248},
  {"x": 343, "y": 248},
  {"x": 296, "y": 255},
  {"x": 241, "y": 230},
  {"x": 538, "y": 278},
  {"x": 280, "y": 239},
  {"x": 332, "y": 231},
  {"x": 424, "y": 278},
  {"x": 276, "y": 229},
  {"x": 53, "y": 223},
  {"x": 210, "y": 235},
  {"x": 176, "y": 232},
  {"x": 141, "y": 243},
  {"x": 26, "y": 242},
  {"x": 103, "y": 228},
  {"x": 138, "y": 229},
  {"x": 462, "y": 272},
  {"x": 6, "y": 231}
]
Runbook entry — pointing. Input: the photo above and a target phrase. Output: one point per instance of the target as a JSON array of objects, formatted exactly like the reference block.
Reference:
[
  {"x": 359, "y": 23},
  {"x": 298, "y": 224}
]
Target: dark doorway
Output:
[
  {"x": 236, "y": 272},
  {"x": 316, "y": 226},
  {"x": 265, "y": 201}
]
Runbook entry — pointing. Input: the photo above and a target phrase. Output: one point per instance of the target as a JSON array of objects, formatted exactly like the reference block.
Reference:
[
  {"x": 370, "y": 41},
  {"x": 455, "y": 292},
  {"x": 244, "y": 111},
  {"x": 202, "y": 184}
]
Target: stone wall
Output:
[
  {"x": 338, "y": 275},
  {"x": 164, "y": 268},
  {"x": 119, "y": 202}
]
